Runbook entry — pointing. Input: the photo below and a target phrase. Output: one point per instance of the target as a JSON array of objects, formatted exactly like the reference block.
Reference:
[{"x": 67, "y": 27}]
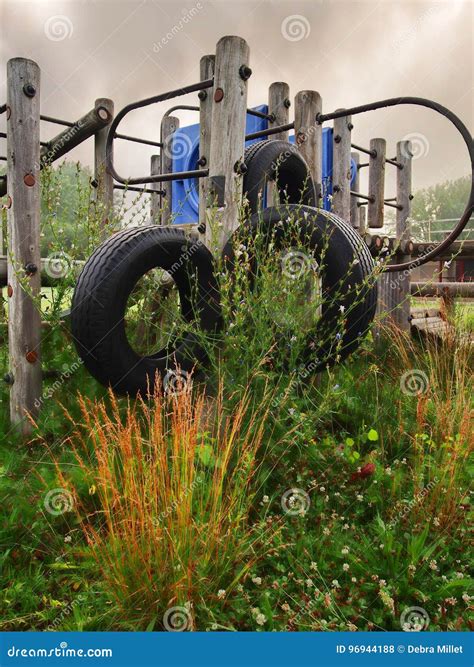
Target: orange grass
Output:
[{"x": 174, "y": 495}]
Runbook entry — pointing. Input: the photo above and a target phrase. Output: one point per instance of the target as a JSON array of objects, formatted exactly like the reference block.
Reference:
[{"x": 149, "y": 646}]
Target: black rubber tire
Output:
[
  {"x": 279, "y": 161},
  {"x": 100, "y": 299},
  {"x": 346, "y": 274}
]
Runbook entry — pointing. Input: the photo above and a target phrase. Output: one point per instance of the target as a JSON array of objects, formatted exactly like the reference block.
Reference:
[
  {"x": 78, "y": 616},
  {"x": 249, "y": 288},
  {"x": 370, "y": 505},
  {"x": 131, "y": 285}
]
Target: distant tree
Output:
[{"x": 438, "y": 202}]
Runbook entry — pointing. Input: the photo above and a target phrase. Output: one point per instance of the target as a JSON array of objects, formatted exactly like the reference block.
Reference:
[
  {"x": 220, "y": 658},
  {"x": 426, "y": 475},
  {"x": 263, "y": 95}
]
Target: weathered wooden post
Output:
[
  {"x": 309, "y": 133},
  {"x": 169, "y": 125},
  {"x": 394, "y": 288},
  {"x": 375, "y": 208},
  {"x": 23, "y": 238},
  {"x": 278, "y": 107},
  {"x": 155, "y": 199},
  {"x": 362, "y": 220},
  {"x": 206, "y": 67},
  {"x": 229, "y": 111},
  {"x": 355, "y": 210},
  {"x": 341, "y": 197},
  {"x": 104, "y": 180}
]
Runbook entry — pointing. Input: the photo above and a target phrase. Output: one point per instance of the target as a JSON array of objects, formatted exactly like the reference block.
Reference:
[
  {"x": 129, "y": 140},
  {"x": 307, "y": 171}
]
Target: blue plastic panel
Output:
[{"x": 185, "y": 193}]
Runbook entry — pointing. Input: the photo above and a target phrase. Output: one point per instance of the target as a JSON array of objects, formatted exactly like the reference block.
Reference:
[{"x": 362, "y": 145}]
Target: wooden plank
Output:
[
  {"x": 206, "y": 68},
  {"x": 23, "y": 237},
  {"x": 375, "y": 208},
  {"x": 229, "y": 112},
  {"x": 104, "y": 193},
  {"x": 341, "y": 198},
  {"x": 452, "y": 290},
  {"x": 169, "y": 125},
  {"x": 309, "y": 134},
  {"x": 48, "y": 273},
  {"x": 279, "y": 106},
  {"x": 155, "y": 199},
  {"x": 355, "y": 210}
]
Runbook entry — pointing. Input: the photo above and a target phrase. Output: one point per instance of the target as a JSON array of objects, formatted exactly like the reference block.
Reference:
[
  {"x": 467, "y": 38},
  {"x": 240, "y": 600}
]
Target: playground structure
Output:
[{"x": 222, "y": 94}]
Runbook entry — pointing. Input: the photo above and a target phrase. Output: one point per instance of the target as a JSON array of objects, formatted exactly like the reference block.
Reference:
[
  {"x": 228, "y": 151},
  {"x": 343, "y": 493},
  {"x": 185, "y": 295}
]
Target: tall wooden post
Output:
[
  {"x": 104, "y": 180},
  {"x": 23, "y": 168},
  {"x": 206, "y": 68},
  {"x": 375, "y": 208},
  {"x": 169, "y": 125},
  {"x": 394, "y": 288},
  {"x": 229, "y": 114},
  {"x": 309, "y": 133},
  {"x": 341, "y": 171},
  {"x": 155, "y": 199},
  {"x": 279, "y": 107},
  {"x": 355, "y": 210}
]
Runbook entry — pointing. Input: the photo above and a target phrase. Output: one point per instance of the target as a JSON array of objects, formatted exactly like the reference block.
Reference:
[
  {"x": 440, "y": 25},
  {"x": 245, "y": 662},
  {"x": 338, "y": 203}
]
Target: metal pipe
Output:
[
  {"x": 117, "y": 186},
  {"x": 394, "y": 162},
  {"x": 57, "y": 121},
  {"x": 399, "y": 207},
  {"x": 147, "y": 142},
  {"x": 3, "y": 108},
  {"x": 361, "y": 165},
  {"x": 163, "y": 97},
  {"x": 361, "y": 196},
  {"x": 367, "y": 151},
  {"x": 463, "y": 131},
  {"x": 273, "y": 130}
]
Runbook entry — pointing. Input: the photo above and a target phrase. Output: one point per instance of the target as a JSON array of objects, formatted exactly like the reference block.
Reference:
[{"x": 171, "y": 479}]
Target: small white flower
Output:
[
  {"x": 265, "y": 499},
  {"x": 314, "y": 566},
  {"x": 345, "y": 550},
  {"x": 354, "y": 580},
  {"x": 257, "y": 580},
  {"x": 345, "y": 567},
  {"x": 342, "y": 308},
  {"x": 221, "y": 594},
  {"x": 335, "y": 583},
  {"x": 360, "y": 497},
  {"x": 309, "y": 583},
  {"x": 261, "y": 619},
  {"x": 322, "y": 489},
  {"x": 68, "y": 538}
]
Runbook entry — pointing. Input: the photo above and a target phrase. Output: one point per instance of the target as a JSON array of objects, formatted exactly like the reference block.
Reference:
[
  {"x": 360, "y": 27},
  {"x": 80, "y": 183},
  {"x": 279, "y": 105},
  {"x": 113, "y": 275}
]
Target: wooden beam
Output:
[
  {"x": 355, "y": 210},
  {"x": 206, "y": 68},
  {"x": 155, "y": 199},
  {"x": 23, "y": 238},
  {"x": 169, "y": 125},
  {"x": 375, "y": 207},
  {"x": 341, "y": 170},
  {"x": 465, "y": 290},
  {"x": 309, "y": 134},
  {"x": 104, "y": 193}
]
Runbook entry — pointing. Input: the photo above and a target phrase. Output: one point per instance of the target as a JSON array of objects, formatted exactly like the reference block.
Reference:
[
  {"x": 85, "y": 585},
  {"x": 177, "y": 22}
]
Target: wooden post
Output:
[
  {"x": 355, "y": 210},
  {"x": 394, "y": 288},
  {"x": 375, "y": 212},
  {"x": 104, "y": 180},
  {"x": 229, "y": 114},
  {"x": 206, "y": 68},
  {"x": 362, "y": 220},
  {"x": 341, "y": 170},
  {"x": 155, "y": 199},
  {"x": 309, "y": 133},
  {"x": 169, "y": 124},
  {"x": 278, "y": 106},
  {"x": 23, "y": 167}
]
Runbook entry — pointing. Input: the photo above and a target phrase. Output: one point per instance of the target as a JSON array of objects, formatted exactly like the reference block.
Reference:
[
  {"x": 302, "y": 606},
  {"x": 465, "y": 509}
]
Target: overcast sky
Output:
[{"x": 351, "y": 52}]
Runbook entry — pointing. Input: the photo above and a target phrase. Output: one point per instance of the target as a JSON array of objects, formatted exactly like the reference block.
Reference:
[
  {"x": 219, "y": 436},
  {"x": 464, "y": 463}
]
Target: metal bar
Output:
[
  {"x": 463, "y": 131},
  {"x": 147, "y": 142},
  {"x": 361, "y": 165},
  {"x": 259, "y": 114},
  {"x": 57, "y": 121},
  {"x": 3, "y": 108},
  {"x": 132, "y": 189},
  {"x": 156, "y": 178},
  {"x": 3, "y": 157},
  {"x": 367, "y": 151},
  {"x": 361, "y": 196},
  {"x": 394, "y": 162},
  {"x": 273, "y": 130},
  {"x": 399, "y": 207}
]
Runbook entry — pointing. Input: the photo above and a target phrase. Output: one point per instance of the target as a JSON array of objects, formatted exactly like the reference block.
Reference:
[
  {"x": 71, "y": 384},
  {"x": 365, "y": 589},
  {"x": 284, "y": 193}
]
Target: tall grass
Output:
[{"x": 173, "y": 491}]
